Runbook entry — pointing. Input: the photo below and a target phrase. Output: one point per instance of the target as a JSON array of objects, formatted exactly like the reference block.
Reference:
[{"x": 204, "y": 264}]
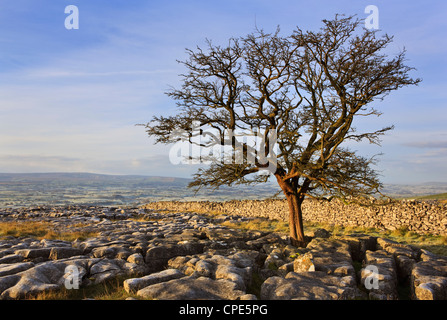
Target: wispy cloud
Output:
[
  {"x": 70, "y": 74},
  {"x": 427, "y": 144}
]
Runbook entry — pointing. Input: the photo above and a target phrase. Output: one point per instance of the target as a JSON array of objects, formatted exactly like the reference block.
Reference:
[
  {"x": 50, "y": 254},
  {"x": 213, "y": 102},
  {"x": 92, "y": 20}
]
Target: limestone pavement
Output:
[{"x": 173, "y": 256}]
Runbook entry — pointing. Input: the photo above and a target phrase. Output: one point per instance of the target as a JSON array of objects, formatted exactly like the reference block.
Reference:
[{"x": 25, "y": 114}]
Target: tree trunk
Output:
[{"x": 296, "y": 220}]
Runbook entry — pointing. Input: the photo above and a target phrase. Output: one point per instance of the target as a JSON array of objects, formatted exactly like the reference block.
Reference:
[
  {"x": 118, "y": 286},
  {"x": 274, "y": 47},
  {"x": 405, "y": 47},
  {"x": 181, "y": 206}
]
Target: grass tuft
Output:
[
  {"x": 259, "y": 225},
  {"x": 108, "y": 290},
  {"x": 41, "y": 230}
]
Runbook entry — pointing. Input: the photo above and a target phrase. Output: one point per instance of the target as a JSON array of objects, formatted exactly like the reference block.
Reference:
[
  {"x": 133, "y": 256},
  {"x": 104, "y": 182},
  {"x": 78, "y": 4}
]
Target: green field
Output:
[{"x": 439, "y": 196}]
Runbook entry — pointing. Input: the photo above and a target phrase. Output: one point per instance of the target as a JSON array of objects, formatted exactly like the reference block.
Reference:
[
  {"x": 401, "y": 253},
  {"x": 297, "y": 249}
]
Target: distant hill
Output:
[
  {"x": 83, "y": 177},
  {"x": 413, "y": 191},
  {"x": 30, "y": 189}
]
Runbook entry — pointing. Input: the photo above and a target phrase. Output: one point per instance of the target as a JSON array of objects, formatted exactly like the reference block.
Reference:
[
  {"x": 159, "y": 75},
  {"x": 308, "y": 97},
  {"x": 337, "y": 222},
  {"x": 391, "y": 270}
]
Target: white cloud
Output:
[{"x": 427, "y": 144}]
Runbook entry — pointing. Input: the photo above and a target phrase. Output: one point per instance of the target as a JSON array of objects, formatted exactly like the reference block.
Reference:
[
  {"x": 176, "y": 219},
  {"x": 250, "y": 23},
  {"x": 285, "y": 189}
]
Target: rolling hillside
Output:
[{"x": 30, "y": 189}]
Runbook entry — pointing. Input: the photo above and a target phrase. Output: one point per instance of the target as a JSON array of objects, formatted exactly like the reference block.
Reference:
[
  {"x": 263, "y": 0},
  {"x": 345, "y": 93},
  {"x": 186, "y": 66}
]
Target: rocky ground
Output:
[{"x": 192, "y": 256}]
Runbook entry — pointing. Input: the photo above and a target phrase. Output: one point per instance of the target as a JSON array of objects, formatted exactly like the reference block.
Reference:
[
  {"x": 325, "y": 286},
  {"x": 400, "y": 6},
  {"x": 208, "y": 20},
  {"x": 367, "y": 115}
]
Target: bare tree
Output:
[{"x": 307, "y": 88}]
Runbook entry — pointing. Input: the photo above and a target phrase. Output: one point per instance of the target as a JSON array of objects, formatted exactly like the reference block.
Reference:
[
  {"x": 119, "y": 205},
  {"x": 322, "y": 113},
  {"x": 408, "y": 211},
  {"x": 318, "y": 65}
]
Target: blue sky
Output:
[{"x": 70, "y": 99}]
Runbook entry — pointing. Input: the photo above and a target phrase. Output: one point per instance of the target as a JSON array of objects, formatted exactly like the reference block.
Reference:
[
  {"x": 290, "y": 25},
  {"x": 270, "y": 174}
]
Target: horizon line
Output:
[{"x": 175, "y": 177}]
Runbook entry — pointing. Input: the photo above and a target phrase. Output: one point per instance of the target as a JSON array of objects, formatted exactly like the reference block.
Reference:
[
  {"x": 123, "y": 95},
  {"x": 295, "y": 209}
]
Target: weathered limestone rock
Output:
[
  {"x": 8, "y": 282},
  {"x": 270, "y": 238},
  {"x": 316, "y": 285},
  {"x": 217, "y": 267},
  {"x": 105, "y": 269},
  {"x": 246, "y": 258},
  {"x": 359, "y": 244},
  {"x": 27, "y": 279},
  {"x": 6, "y": 252},
  {"x": 191, "y": 288},
  {"x": 88, "y": 245},
  {"x": 34, "y": 253},
  {"x": 52, "y": 243},
  {"x": 135, "y": 284},
  {"x": 105, "y": 252},
  {"x": 203, "y": 268},
  {"x": 304, "y": 263},
  {"x": 433, "y": 290},
  {"x": 405, "y": 256},
  {"x": 189, "y": 235},
  {"x": 248, "y": 296},
  {"x": 11, "y": 258},
  {"x": 43, "y": 277},
  {"x": 134, "y": 269},
  {"x": 58, "y": 253},
  {"x": 397, "y": 249},
  {"x": 274, "y": 260},
  {"x": 331, "y": 256},
  {"x": 225, "y": 234},
  {"x": 287, "y": 267},
  {"x": 136, "y": 258},
  {"x": 382, "y": 281},
  {"x": 429, "y": 278},
  {"x": 319, "y": 233},
  {"x": 241, "y": 277},
  {"x": 157, "y": 257},
  {"x": 14, "y": 268},
  {"x": 404, "y": 266},
  {"x": 122, "y": 253}
]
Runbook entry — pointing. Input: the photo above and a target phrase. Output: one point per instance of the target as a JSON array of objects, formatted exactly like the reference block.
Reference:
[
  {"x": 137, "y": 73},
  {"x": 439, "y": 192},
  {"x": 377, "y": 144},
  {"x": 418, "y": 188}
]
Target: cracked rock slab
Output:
[
  {"x": 330, "y": 256},
  {"x": 191, "y": 288},
  {"x": 135, "y": 284},
  {"x": 315, "y": 285},
  {"x": 43, "y": 277},
  {"x": 15, "y": 268},
  {"x": 380, "y": 275},
  {"x": 429, "y": 278}
]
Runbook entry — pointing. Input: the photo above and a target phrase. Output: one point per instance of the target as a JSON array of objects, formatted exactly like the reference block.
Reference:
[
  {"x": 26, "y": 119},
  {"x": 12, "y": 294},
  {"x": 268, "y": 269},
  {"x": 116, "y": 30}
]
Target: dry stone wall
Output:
[{"x": 418, "y": 216}]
